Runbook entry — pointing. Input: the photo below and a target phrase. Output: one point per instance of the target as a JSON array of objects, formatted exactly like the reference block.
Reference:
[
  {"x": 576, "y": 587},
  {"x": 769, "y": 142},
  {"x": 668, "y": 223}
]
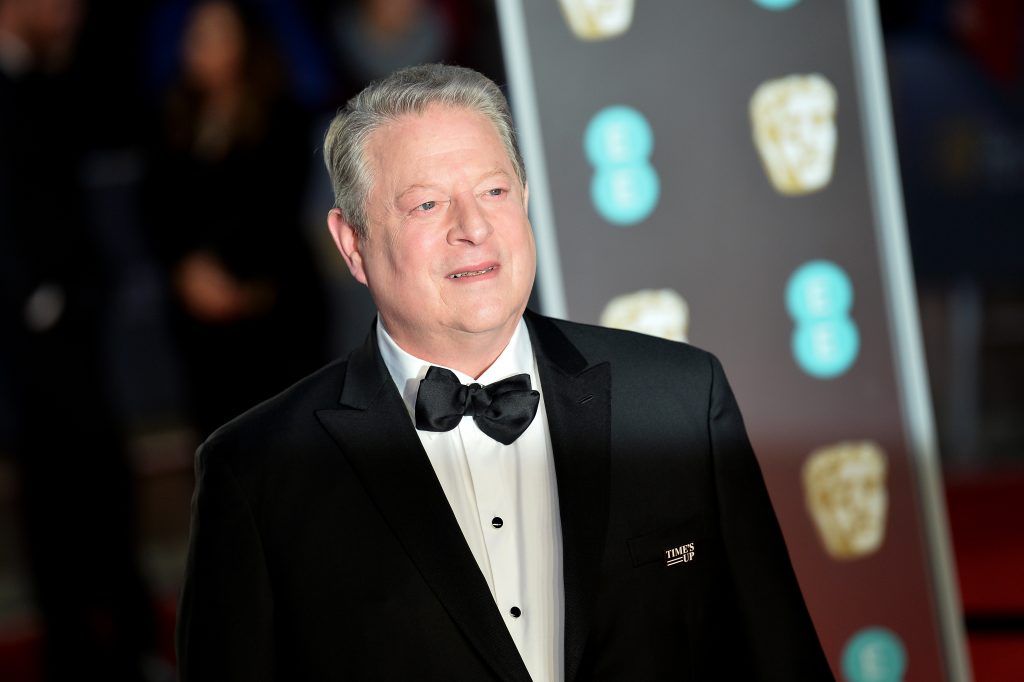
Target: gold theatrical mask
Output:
[
  {"x": 845, "y": 490},
  {"x": 598, "y": 19},
  {"x": 795, "y": 131},
  {"x": 660, "y": 312}
]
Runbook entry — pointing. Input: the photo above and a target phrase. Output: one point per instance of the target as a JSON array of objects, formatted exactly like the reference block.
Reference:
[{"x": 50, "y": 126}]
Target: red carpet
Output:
[{"x": 986, "y": 518}]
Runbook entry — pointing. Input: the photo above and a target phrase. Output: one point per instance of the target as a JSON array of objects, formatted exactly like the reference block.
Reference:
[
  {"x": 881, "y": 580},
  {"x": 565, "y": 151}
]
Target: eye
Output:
[
  {"x": 496, "y": 192},
  {"x": 426, "y": 206}
]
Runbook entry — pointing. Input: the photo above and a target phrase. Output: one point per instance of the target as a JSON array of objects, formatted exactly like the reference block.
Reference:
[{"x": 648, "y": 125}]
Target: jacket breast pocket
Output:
[{"x": 676, "y": 545}]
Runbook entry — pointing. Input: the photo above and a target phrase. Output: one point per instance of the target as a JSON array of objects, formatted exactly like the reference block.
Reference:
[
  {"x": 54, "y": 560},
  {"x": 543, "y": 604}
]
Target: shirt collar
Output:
[{"x": 407, "y": 370}]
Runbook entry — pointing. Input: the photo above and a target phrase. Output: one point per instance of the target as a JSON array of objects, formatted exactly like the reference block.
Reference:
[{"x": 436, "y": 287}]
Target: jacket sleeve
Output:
[
  {"x": 225, "y": 617},
  {"x": 782, "y": 639}
]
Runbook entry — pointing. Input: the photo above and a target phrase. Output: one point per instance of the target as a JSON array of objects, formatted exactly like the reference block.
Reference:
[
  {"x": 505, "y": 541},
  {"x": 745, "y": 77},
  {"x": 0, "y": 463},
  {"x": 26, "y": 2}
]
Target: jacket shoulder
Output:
[
  {"x": 633, "y": 348},
  {"x": 282, "y": 424}
]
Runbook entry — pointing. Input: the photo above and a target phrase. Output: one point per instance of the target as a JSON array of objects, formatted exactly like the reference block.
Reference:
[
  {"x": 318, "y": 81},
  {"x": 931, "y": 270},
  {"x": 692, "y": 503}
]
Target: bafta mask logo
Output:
[
  {"x": 795, "y": 132},
  {"x": 598, "y": 19},
  {"x": 660, "y": 312},
  {"x": 845, "y": 490}
]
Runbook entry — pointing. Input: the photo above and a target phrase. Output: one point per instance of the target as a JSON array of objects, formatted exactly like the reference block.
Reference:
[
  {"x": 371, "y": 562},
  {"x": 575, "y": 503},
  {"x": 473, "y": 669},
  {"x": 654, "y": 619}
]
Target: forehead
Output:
[{"x": 440, "y": 139}]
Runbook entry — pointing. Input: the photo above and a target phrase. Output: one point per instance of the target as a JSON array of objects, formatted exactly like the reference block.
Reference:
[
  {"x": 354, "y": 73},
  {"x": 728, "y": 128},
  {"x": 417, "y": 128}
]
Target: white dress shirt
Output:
[{"x": 506, "y": 502}]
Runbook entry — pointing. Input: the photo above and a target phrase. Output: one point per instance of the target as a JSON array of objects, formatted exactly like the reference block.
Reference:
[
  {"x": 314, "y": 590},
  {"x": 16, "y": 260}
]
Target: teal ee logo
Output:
[
  {"x": 777, "y": 5},
  {"x": 818, "y": 297},
  {"x": 618, "y": 143},
  {"x": 874, "y": 655}
]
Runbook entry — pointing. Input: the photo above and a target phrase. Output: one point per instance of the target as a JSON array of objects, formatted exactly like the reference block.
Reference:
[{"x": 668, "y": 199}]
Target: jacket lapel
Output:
[
  {"x": 375, "y": 433},
  {"x": 577, "y": 397}
]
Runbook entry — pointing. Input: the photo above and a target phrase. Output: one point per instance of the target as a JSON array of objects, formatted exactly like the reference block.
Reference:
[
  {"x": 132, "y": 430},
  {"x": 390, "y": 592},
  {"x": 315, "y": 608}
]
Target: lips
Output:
[{"x": 473, "y": 271}]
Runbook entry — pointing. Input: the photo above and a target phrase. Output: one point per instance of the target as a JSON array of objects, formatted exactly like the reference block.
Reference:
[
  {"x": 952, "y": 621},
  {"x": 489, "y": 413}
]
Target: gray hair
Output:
[{"x": 407, "y": 91}]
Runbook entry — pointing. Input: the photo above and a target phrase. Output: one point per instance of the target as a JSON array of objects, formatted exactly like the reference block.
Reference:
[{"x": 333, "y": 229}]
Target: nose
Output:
[{"x": 470, "y": 225}]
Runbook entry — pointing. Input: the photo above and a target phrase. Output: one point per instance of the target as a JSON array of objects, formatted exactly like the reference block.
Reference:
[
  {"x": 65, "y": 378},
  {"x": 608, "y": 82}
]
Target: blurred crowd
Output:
[
  {"x": 956, "y": 72},
  {"x": 161, "y": 197}
]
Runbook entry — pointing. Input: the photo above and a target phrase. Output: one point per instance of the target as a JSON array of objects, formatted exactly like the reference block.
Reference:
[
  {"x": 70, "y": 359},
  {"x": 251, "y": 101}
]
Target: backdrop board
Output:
[{"x": 722, "y": 171}]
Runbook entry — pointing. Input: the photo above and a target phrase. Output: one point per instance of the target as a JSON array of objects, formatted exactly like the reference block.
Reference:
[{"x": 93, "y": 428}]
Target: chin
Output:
[{"x": 487, "y": 318}]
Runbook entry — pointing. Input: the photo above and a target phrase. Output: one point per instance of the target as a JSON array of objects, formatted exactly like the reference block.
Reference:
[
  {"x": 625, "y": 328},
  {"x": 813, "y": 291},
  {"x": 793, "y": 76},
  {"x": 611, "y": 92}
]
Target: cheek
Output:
[
  {"x": 520, "y": 236},
  {"x": 414, "y": 262},
  {"x": 398, "y": 249},
  {"x": 528, "y": 253}
]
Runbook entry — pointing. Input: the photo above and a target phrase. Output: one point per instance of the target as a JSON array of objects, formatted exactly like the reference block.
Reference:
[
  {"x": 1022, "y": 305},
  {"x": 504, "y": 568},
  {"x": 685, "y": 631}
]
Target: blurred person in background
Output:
[
  {"x": 229, "y": 172},
  {"x": 369, "y": 39},
  {"x": 75, "y": 489},
  {"x": 375, "y": 37}
]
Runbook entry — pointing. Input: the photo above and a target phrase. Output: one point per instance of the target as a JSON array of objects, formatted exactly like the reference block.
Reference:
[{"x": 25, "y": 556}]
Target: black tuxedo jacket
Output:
[{"x": 323, "y": 547}]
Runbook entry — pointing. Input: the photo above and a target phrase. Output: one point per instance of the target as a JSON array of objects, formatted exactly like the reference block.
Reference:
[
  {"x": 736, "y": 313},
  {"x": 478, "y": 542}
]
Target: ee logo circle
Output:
[
  {"x": 825, "y": 341},
  {"x": 618, "y": 143},
  {"x": 874, "y": 655},
  {"x": 777, "y": 5}
]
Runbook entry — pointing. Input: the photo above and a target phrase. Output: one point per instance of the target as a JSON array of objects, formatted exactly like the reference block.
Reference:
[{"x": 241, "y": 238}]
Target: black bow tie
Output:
[{"x": 502, "y": 410}]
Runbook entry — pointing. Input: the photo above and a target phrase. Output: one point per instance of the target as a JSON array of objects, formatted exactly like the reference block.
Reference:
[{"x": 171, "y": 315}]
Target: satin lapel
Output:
[
  {"x": 577, "y": 397},
  {"x": 374, "y": 431}
]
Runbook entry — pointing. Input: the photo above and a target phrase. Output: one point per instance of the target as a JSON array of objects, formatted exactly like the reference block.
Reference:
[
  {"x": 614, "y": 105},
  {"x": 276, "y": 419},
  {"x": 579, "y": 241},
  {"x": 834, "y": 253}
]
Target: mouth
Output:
[{"x": 471, "y": 273}]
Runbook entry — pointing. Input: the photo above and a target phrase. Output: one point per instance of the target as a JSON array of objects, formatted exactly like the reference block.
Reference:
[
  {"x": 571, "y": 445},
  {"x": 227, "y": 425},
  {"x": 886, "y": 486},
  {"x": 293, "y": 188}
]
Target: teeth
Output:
[{"x": 471, "y": 274}]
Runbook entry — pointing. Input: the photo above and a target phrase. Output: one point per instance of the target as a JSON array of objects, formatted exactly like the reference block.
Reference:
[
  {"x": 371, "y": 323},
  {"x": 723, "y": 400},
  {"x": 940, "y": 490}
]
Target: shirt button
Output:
[
  {"x": 497, "y": 522},
  {"x": 515, "y": 612}
]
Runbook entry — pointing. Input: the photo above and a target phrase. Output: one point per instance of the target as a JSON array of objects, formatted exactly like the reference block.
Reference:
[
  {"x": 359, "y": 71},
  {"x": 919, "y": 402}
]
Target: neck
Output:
[{"x": 469, "y": 352}]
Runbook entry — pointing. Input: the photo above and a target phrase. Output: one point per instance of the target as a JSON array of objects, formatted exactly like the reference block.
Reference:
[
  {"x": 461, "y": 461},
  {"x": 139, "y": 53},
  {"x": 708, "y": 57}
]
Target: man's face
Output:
[{"x": 450, "y": 251}]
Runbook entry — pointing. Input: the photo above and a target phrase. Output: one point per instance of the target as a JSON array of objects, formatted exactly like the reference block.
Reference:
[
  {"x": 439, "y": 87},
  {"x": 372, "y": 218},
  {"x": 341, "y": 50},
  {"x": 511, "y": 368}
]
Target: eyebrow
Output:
[
  {"x": 492, "y": 173},
  {"x": 489, "y": 174},
  {"x": 411, "y": 188}
]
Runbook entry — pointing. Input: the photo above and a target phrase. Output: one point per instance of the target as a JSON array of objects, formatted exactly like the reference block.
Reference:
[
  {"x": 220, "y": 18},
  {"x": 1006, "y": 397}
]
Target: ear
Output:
[
  {"x": 348, "y": 243},
  {"x": 526, "y": 197}
]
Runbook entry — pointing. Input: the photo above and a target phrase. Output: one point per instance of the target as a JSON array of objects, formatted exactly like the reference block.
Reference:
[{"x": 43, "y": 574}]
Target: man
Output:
[{"x": 475, "y": 494}]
